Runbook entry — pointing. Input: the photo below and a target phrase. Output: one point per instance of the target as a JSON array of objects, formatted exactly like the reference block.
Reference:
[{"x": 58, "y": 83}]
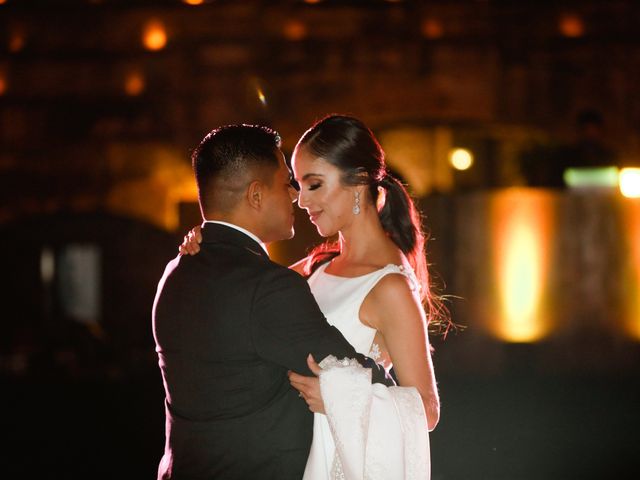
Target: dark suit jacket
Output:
[{"x": 228, "y": 324}]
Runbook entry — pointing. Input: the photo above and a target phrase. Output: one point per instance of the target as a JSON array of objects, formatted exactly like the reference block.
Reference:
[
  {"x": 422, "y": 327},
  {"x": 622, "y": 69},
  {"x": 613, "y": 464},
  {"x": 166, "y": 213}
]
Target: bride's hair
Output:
[{"x": 346, "y": 143}]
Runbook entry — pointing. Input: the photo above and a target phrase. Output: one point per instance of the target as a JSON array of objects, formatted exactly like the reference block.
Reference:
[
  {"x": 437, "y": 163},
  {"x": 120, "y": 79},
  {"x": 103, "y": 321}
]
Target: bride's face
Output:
[{"x": 327, "y": 201}]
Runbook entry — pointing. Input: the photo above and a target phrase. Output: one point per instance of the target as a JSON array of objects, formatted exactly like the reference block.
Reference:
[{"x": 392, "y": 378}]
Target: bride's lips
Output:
[{"x": 313, "y": 216}]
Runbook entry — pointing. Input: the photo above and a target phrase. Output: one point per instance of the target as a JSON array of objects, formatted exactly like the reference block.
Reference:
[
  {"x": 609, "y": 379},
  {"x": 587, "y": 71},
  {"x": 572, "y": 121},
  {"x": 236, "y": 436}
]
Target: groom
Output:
[{"x": 229, "y": 323}]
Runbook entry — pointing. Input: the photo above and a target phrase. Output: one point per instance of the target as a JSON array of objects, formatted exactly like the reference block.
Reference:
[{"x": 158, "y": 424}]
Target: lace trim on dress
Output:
[
  {"x": 375, "y": 353},
  {"x": 409, "y": 273}
]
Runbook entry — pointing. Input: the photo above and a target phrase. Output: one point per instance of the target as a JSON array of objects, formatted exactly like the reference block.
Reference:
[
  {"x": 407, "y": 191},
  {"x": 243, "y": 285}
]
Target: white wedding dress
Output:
[{"x": 369, "y": 431}]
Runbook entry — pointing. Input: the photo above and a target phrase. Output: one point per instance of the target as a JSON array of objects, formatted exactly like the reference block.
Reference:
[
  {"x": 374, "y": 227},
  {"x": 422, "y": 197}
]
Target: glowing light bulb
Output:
[
  {"x": 155, "y": 35},
  {"x": 461, "y": 159},
  {"x": 261, "y": 96},
  {"x": 295, "y": 30},
  {"x": 17, "y": 41},
  {"x": 571, "y": 26},
  {"x": 432, "y": 28},
  {"x": 629, "y": 181},
  {"x": 134, "y": 84}
]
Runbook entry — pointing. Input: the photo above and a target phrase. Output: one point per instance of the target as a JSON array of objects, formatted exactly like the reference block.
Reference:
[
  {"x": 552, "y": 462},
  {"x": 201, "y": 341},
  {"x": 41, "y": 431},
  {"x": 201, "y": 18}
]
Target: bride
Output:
[{"x": 371, "y": 285}]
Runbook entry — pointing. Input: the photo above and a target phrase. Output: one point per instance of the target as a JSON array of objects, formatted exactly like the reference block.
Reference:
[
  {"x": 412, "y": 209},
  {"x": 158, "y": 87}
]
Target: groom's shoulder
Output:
[{"x": 276, "y": 277}]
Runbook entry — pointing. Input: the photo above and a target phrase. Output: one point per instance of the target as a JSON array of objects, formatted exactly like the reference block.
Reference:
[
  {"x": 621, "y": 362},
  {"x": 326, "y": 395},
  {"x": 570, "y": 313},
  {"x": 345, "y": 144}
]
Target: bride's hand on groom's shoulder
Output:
[
  {"x": 191, "y": 242},
  {"x": 309, "y": 387}
]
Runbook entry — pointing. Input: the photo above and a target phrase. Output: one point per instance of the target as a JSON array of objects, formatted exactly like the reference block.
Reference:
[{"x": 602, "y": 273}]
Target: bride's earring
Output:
[
  {"x": 356, "y": 206},
  {"x": 382, "y": 198}
]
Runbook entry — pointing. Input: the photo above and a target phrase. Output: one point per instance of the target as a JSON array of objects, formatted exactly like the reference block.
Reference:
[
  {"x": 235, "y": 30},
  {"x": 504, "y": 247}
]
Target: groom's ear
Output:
[{"x": 255, "y": 193}]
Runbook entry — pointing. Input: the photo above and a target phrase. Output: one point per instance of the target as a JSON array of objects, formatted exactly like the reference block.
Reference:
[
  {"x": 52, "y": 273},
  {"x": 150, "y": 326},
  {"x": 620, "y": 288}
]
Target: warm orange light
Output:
[
  {"x": 632, "y": 227},
  {"x": 155, "y": 35},
  {"x": 261, "y": 96},
  {"x": 521, "y": 224},
  {"x": 432, "y": 28},
  {"x": 193, "y": 2},
  {"x": 571, "y": 26},
  {"x": 312, "y": 2},
  {"x": 134, "y": 84},
  {"x": 2, "y": 2},
  {"x": 17, "y": 41},
  {"x": 4, "y": 84},
  {"x": 295, "y": 30}
]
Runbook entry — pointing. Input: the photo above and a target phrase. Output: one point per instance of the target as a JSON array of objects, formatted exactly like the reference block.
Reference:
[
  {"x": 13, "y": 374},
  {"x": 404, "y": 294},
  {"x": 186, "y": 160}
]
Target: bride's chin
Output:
[{"x": 324, "y": 233}]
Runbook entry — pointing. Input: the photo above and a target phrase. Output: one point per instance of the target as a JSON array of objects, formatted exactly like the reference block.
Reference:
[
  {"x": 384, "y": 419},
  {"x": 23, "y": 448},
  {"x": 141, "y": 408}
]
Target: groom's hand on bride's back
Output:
[
  {"x": 309, "y": 387},
  {"x": 191, "y": 242}
]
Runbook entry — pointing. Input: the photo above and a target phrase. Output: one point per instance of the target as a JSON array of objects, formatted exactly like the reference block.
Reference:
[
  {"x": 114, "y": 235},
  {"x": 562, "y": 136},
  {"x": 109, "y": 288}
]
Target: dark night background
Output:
[{"x": 101, "y": 102}]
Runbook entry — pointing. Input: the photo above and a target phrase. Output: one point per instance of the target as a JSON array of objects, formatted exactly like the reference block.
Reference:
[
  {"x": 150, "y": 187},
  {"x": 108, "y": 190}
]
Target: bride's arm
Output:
[{"x": 394, "y": 311}]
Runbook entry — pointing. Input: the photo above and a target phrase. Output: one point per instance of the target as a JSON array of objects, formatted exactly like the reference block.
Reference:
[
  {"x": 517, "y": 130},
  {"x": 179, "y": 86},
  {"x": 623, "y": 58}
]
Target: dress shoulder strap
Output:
[{"x": 366, "y": 283}]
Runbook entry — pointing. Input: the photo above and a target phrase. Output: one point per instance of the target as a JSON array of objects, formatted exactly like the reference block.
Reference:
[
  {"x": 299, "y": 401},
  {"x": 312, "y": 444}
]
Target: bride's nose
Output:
[{"x": 302, "y": 199}]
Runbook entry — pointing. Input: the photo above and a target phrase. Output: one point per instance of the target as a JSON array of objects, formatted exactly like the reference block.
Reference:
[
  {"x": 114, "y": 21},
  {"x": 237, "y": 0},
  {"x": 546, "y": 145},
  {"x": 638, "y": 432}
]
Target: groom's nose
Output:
[{"x": 293, "y": 194}]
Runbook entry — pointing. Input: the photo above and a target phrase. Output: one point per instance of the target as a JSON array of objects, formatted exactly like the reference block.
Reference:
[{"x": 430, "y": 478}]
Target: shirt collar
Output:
[{"x": 242, "y": 230}]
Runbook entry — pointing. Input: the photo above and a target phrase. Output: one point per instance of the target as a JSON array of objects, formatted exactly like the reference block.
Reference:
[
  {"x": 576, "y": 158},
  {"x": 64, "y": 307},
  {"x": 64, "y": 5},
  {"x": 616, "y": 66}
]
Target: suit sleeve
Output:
[{"x": 287, "y": 325}]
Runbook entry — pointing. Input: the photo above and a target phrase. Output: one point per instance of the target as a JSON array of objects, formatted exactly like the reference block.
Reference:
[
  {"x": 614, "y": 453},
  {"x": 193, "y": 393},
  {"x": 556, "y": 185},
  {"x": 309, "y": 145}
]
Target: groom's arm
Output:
[{"x": 287, "y": 325}]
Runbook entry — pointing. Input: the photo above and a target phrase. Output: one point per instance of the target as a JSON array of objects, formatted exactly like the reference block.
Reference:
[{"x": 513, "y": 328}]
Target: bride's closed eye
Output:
[{"x": 315, "y": 186}]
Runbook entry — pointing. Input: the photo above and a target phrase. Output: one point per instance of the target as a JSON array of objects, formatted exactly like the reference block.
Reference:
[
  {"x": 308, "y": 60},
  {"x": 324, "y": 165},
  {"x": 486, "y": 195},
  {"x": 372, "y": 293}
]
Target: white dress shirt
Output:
[{"x": 240, "y": 229}]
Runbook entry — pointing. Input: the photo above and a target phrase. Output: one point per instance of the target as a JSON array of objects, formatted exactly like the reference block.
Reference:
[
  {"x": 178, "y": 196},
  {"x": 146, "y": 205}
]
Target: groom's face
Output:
[{"x": 279, "y": 197}]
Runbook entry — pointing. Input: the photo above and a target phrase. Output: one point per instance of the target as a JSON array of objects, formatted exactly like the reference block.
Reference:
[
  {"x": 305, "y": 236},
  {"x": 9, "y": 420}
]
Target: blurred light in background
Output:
[
  {"x": 162, "y": 182},
  {"x": 630, "y": 183},
  {"x": 17, "y": 40},
  {"x": 312, "y": 2},
  {"x": 134, "y": 83},
  {"x": 571, "y": 26},
  {"x": 256, "y": 90},
  {"x": 521, "y": 231},
  {"x": 591, "y": 177},
  {"x": 431, "y": 28},
  {"x": 632, "y": 224},
  {"x": 47, "y": 265},
  {"x": 4, "y": 82},
  {"x": 193, "y": 2},
  {"x": 154, "y": 35},
  {"x": 461, "y": 158},
  {"x": 295, "y": 30},
  {"x": 261, "y": 97},
  {"x": 3, "y": 2},
  {"x": 420, "y": 156}
]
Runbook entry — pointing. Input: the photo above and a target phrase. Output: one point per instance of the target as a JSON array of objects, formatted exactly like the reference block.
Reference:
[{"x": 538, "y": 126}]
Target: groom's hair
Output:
[{"x": 228, "y": 159}]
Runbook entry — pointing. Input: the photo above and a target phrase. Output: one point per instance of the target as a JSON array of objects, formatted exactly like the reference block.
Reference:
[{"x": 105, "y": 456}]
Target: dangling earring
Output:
[
  {"x": 382, "y": 198},
  {"x": 356, "y": 206}
]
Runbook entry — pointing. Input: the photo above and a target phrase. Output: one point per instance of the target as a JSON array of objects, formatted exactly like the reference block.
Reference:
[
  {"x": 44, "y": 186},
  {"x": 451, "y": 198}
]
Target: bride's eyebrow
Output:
[{"x": 308, "y": 175}]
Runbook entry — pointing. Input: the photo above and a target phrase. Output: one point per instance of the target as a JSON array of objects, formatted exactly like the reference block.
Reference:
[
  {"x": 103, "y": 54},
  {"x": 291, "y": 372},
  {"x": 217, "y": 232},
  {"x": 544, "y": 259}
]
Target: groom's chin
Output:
[{"x": 292, "y": 233}]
